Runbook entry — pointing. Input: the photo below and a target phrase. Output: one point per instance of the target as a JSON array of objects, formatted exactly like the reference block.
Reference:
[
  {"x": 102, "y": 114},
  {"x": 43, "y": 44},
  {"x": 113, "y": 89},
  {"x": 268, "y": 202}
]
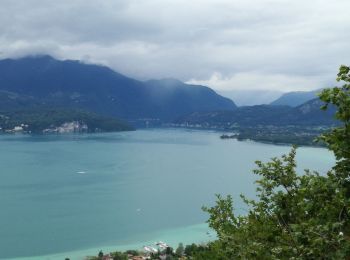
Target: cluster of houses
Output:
[
  {"x": 68, "y": 127},
  {"x": 130, "y": 257},
  {"x": 146, "y": 254},
  {"x": 17, "y": 129}
]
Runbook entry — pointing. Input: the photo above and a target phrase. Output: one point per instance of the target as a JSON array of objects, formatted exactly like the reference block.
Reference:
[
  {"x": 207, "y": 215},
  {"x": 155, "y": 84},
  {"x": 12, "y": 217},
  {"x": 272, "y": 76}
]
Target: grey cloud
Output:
[{"x": 251, "y": 44}]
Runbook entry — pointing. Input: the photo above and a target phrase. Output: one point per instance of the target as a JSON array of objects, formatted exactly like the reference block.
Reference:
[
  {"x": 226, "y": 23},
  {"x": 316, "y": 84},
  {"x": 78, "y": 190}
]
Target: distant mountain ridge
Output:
[
  {"x": 294, "y": 99},
  {"x": 40, "y": 83},
  {"x": 307, "y": 114},
  {"x": 42, "y": 80},
  {"x": 265, "y": 123},
  {"x": 251, "y": 97}
]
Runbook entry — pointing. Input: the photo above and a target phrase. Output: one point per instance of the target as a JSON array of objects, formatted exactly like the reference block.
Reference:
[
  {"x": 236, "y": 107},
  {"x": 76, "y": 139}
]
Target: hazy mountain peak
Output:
[
  {"x": 295, "y": 98},
  {"x": 251, "y": 97},
  {"x": 74, "y": 84}
]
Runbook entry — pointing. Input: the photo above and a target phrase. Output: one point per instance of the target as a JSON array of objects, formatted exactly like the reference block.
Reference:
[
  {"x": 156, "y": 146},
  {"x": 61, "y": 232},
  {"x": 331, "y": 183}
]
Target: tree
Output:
[
  {"x": 295, "y": 216},
  {"x": 190, "y": 249},
  {"x": 119, "y": 256},
  {"x": 169, "y": 251},
  {"x": 338, "y": 139},
  {"x": 180, "y": 250}
]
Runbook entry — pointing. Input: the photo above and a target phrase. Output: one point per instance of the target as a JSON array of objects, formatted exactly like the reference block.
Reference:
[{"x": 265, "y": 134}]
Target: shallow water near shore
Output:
[
  {"x": 200, "y": 234},
  {"x": 72, "y": 195}
]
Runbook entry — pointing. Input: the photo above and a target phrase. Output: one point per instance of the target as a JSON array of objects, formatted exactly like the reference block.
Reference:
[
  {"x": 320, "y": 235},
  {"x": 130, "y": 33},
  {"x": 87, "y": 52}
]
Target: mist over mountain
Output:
[
  {"x": 296, "y": 98},
  {"x": 44, "y": 81},
  {"x": 251, "y": 97}
]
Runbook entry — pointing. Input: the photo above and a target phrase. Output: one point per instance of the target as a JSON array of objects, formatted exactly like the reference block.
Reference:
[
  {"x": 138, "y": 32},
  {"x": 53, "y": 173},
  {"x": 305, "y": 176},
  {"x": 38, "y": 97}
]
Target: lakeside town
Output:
[
  {"x": 157, "y": 251},
  {"x": 67, "y": 127}
]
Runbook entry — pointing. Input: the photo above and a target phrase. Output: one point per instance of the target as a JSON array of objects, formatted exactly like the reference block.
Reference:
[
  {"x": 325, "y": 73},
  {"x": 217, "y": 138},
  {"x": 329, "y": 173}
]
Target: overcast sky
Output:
[{"x": 226, "y": 44}]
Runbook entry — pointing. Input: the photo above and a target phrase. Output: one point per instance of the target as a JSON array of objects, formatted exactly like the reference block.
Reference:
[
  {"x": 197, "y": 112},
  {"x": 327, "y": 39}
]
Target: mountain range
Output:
[
  {"x": 296, "y": 98},
  {"x": 251, "y": 97},
  {"x": 38, "y": 81},
  {"x": 42, "y": 83},
  {"x": 307, "y": 114}
]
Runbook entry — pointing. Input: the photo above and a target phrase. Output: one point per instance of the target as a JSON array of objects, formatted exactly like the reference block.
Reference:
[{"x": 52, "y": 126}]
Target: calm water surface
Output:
[{"x": 74, "y": 192}]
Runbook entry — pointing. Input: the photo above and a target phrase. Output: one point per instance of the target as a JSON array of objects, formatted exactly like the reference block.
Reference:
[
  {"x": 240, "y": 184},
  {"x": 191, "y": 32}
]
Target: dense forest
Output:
[{"x": 37, "y": 120}]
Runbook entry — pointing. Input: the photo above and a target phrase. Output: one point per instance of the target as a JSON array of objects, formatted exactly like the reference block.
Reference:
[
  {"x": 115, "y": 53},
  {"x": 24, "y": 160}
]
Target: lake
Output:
[{"x": 72, "y": 195}]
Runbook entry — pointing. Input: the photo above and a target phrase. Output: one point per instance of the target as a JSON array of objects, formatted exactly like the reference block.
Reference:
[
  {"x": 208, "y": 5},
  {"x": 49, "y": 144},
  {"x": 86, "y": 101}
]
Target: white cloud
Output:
[
  {"x": 256, "y": 80},
  {"x": 249, "y": 43}
]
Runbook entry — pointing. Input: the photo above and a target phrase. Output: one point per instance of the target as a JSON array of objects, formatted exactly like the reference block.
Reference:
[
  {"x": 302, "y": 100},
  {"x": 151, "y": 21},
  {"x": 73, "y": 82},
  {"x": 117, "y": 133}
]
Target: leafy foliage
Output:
[
  {"x": 339, "y": 138},
  {"x": 119, "y": 256},
  {"x": 180, "y": 250},
  {"x": 295, "y": 216}
]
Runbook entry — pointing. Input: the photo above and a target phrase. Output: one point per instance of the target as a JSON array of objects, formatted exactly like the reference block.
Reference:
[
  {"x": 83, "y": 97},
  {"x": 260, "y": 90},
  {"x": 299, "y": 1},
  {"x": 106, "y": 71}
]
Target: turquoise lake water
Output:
[{"x": 72, "y": 195}]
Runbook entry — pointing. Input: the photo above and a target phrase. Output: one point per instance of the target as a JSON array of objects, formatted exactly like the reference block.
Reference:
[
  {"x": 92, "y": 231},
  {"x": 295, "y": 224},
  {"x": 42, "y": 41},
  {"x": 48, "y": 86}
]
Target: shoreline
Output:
[
  {"x": 250, "y": 138},
  {"x": 186, "y": 235}
]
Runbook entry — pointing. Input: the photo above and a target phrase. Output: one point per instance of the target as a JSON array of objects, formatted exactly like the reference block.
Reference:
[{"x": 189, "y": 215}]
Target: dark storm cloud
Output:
[{"x": 227, "y": 44}]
